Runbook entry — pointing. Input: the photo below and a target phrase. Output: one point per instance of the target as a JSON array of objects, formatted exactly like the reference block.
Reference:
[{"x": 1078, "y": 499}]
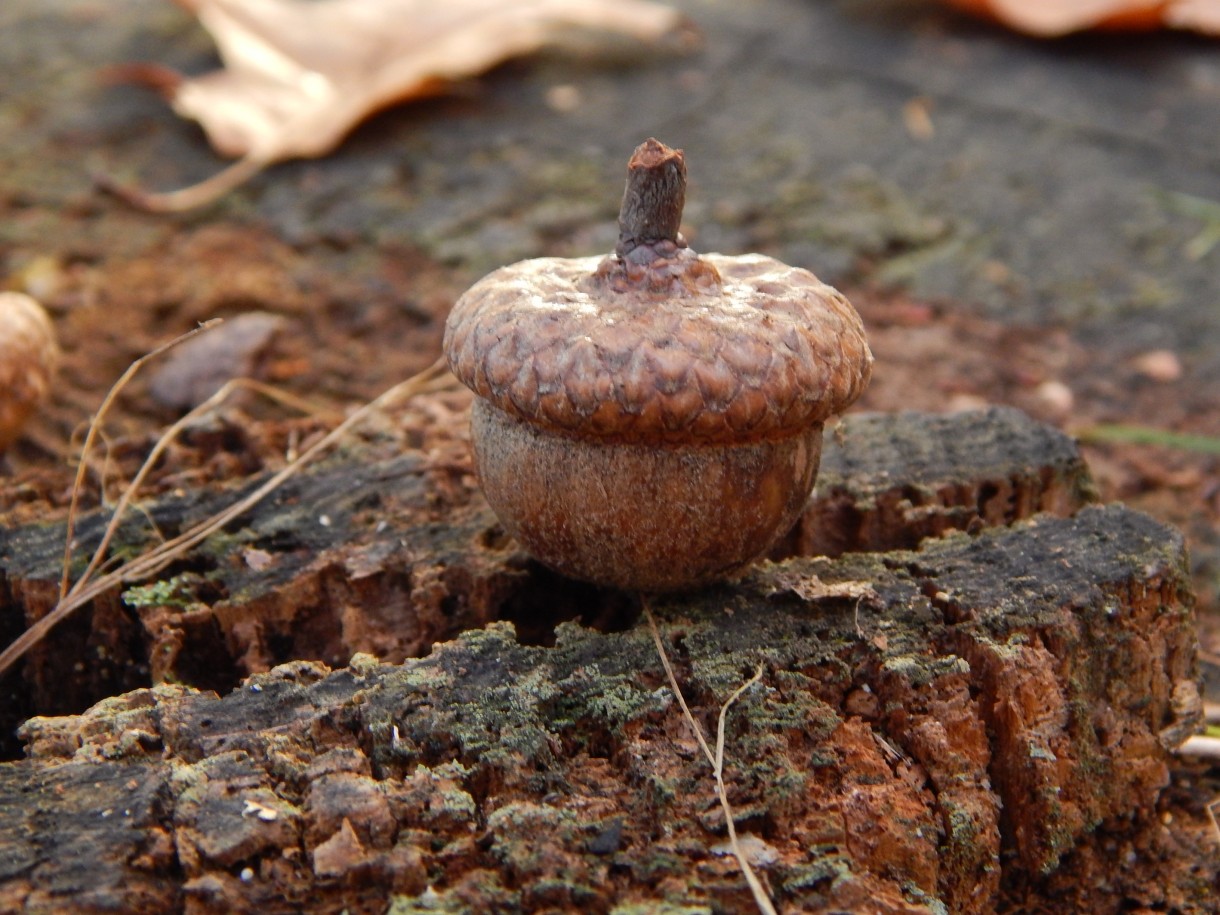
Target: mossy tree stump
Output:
[{"x": 933, "y": 725}]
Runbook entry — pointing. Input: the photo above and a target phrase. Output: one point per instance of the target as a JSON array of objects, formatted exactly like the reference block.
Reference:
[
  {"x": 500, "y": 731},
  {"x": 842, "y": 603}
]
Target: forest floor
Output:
[{"x": 1046, "y": 246}]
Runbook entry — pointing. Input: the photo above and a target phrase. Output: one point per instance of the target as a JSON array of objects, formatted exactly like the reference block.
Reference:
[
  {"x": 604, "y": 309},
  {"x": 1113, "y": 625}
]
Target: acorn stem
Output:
[{"x": 654, "y": 197}]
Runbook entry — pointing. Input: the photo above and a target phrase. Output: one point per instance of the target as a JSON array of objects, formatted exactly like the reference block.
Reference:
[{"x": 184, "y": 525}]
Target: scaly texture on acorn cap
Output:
[{"x": 765, "y": 352}]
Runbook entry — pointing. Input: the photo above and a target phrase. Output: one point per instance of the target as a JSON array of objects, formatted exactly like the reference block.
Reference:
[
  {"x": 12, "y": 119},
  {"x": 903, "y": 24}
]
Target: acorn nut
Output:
[
  {"x": 28, "y": 358},
  {"x": 652, "y": 420}
]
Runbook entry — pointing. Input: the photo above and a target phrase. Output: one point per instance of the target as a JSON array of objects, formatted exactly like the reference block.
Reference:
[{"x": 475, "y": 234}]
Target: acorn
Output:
[
  {"x": 28, "y": 358},
  {"x": 652, "y": 420}
]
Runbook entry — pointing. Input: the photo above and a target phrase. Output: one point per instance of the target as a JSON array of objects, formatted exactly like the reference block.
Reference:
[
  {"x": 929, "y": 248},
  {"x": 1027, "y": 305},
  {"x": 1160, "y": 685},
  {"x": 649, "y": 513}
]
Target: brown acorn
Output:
[
  {"x": 652, "y": 420},
  {"x": 28, "y": 358}
]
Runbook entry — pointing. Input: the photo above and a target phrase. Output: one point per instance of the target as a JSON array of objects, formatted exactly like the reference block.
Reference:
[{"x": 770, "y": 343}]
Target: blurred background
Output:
[{"x": 1019, "y": 220}]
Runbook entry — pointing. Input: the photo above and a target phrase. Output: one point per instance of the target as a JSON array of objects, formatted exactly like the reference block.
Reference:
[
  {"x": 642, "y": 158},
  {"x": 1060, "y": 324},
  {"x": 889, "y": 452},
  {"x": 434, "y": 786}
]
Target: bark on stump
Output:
[{"x": 932, "y": 723}]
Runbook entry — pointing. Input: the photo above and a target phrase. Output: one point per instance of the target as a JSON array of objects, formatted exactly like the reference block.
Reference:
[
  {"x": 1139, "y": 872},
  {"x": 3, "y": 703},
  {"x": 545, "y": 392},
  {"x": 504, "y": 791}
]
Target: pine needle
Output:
[
  {"x": 1124, "y": 434},
  {"x": 95, "y": 426},
  {"x": 163, "y": 554},
  {"x": 716, "y": 759}
]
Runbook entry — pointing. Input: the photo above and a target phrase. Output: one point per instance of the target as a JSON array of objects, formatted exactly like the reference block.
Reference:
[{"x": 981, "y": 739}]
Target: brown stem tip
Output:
[{"x": 654, "y": 197}]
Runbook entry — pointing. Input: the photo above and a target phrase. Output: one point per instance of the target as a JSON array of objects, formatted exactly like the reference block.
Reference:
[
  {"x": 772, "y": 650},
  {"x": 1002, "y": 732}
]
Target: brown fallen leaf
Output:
[
  {"x": 199, "y": 367},
  {"x": 1052, "y": 18},
  {"x": 298, "y": 76}
]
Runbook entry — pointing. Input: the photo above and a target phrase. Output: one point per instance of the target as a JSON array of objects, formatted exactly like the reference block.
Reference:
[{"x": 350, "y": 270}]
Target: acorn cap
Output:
[{"x": 656, "y": 344}]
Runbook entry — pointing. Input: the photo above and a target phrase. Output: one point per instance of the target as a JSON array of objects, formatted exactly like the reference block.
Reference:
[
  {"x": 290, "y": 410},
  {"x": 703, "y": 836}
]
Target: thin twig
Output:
[
  {"x": 206, "y": 191},
  {"x": 94, "y": 427},
  {"x": 756, "y": 888},
  {"x": 1201, "y": 746},
  {"x": 166, "y": 439},
  {"x": 673, "y": 682},
  {"x": 718, "y": 765},
  {"x": 716, "y": 760},
  {"x": 161, "y": 555}
]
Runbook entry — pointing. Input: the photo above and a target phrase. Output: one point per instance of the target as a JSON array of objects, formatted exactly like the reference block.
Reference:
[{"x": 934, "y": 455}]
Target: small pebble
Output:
[
  {"x": 564, "y": 98},
  {"x": 43, "y": 277},
  {"x": 961, "y": 402},
  {"x": 917, "y": 118},
  {"x": 1159, "y": 365},
  {"x": 757, "y": 851},
  {"x": 1056, "y": 396},
  {"x": 258, "y": 560}
]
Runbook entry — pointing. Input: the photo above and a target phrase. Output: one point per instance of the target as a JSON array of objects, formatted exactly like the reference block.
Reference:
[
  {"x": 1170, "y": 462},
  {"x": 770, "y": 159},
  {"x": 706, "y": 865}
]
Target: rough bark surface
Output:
[
  {"x": 388, "y": 555},
  {"x": 891, "y": 479},
  {"x": 932, "y": 728}
]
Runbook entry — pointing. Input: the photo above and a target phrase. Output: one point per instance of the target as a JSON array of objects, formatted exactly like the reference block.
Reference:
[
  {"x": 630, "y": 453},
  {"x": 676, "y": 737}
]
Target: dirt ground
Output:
[{"x": 1000, "y": 274}]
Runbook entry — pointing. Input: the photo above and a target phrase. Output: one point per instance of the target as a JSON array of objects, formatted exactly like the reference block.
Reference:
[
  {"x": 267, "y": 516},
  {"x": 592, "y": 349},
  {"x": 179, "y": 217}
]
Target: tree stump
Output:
[{"x": 934, "y": 726}]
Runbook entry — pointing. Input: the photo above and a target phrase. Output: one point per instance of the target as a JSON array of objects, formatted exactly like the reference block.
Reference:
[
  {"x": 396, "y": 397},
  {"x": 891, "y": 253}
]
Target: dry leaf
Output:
[
  {"x": 1051, "y": 18},
  {"x": 298, "y": 76},
  {"x": 199, "y": 367},
  {"x": 811, "y": 588}
]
